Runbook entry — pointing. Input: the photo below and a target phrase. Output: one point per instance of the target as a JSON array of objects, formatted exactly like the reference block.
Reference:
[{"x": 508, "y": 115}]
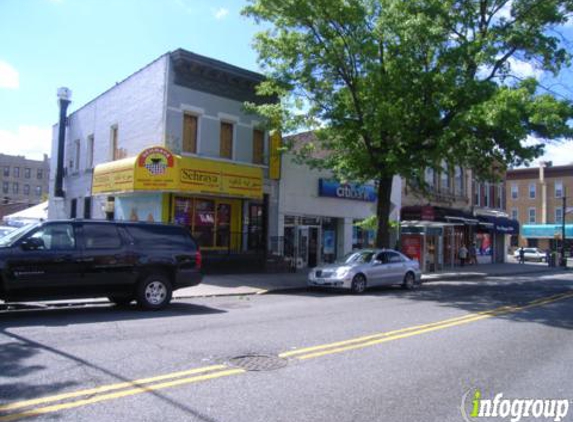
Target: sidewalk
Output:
[{"x": 252, "y": 284}]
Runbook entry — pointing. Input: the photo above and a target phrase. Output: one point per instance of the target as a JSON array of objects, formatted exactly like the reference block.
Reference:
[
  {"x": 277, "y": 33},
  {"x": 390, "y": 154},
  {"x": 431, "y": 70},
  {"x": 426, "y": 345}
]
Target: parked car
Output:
[
  {"x": 5, "y": 230},
  {"x": 368, "y": 268},
  {"x": 531, "y": 254},
  {"x": 123, "y": 261}
]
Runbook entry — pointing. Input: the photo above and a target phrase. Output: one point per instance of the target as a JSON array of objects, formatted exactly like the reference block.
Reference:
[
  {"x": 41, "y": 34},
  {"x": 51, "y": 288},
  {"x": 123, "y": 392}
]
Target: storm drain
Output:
[{"x": 257, "y": 362}]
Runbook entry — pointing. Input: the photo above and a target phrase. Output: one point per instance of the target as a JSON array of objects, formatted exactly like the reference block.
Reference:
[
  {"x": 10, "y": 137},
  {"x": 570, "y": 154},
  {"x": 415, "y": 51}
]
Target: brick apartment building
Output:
[
  {"x": 535, "y": 199},
  {"x": 23, "y": 182}
]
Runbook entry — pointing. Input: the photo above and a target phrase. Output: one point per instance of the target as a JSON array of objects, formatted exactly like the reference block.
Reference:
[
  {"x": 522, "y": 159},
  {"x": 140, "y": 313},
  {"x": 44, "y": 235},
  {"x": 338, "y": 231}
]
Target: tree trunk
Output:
[{"x": 383, "y": 212}]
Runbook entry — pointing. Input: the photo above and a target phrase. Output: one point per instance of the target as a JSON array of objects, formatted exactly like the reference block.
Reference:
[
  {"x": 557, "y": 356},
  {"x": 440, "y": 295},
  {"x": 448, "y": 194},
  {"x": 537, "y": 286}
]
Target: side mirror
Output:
[{"x": 32, "y": 244}]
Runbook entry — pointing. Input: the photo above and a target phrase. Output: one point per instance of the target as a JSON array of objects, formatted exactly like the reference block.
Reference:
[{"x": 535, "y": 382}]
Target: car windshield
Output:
[
  {"x": 360, "y": 257},
  {"x": 13, "y": 236}
]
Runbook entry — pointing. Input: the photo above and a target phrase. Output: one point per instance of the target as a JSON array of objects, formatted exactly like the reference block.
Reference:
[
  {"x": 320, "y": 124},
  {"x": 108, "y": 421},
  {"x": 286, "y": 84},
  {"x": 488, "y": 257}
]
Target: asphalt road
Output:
[{"x": 389, "y": 355}]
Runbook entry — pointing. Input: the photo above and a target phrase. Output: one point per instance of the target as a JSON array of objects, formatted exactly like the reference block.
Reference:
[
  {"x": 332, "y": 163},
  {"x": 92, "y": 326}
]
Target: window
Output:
[
  {"x": 76, "y": 163},
  {"x": 531, "y": 216},
  {"x": 532, "y": 191},
  {"x": 514, "y": 191},
  {"x": 90, "y": 152},
  {"x": 56, "y": 237},
  {"x": 429, "y": 177},
  {"x": 189, "y": 134},
  {"x": 26, "y": 190},
  {"x": 38, "y": 190},
  {"x": 16, "y": 172},
  {"x": 27, "y": 173},
  {"x": 14, "y": 188},
  {"x": 113, "y": 146},
  {"x": 40, "y": 174},
  {"x": 558, "y": 215},
  {"x": 393, "y": 258},
  {"x": 204, "y": 223},
  {"x": 6, "y": 171},
  {"x": 101, "y": 236},
  {"x": 258, "y": 146},
  {"x": 226, "y": 147},
  {"x": 487, "y": 195},
  {"x": 73, "y": 208},
  {"x": 477, "y": 194},
  {"x": 558, "y": 189},
  {"x": 5, "y": 187},
  {"x": 459, "y": 180},
  {"x": 514, "y": 214},
  {"x": 88, "y": 207},
  {"x": 499, "y": 198},
  {"x": 445, "y": 179}
]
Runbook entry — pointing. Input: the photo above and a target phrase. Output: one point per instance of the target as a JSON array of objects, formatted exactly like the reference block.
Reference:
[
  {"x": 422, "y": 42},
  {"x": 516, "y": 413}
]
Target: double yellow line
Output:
[
  {"x": 12, "y": 411},
  {"x": 374, "y": 339},
  {"x": 115, "y": 391}
]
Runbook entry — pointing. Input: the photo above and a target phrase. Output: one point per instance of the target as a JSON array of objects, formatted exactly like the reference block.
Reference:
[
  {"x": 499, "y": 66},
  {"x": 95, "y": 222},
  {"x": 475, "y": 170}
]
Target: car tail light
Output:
[{"x": 198, "y": 259}]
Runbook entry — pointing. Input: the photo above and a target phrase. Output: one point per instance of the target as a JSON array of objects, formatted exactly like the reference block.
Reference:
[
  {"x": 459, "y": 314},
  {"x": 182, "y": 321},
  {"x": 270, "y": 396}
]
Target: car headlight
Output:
[{"x": 342, "y": 272}]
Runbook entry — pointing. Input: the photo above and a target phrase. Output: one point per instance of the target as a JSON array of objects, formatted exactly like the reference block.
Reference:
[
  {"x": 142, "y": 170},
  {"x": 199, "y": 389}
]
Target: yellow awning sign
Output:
[{"x": 157, "y": 169}]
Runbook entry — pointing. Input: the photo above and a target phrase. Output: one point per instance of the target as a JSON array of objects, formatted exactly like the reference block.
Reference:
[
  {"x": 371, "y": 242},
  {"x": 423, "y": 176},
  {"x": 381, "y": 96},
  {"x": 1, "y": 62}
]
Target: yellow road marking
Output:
[
  {"x": 145, "y": 385},
  {"x": 429, "y": 328},
  {"x": 117, "y": 395},
  {"x": 384, "y": 334},
  {"x": 104, "y": 388}
]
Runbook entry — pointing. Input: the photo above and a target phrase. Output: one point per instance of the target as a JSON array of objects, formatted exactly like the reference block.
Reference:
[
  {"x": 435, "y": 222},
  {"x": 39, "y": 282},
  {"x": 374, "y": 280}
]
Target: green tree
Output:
[{"x": 396, "y": 86}]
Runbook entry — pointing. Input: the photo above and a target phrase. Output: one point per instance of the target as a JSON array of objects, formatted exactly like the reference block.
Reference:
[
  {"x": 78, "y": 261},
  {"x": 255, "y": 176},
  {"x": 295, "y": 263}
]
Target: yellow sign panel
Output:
[
  {"x": 116, "y": 176},
  {"x": 157, "y": 169}
]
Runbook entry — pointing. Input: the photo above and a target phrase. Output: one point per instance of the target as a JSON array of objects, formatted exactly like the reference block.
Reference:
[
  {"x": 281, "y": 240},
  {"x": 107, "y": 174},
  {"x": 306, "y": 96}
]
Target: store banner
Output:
[
  {"x": 157, "y": 169},
  {"x": 353, "y": 191}
]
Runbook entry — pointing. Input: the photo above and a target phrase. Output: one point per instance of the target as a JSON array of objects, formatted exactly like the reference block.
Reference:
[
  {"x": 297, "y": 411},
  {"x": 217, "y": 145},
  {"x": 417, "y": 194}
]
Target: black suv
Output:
[{"x": 87, "y": 258}]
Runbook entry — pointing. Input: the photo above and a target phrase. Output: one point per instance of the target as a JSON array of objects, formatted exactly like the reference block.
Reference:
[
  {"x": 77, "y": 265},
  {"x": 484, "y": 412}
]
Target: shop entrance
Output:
[{"x": 307, "y": 254}]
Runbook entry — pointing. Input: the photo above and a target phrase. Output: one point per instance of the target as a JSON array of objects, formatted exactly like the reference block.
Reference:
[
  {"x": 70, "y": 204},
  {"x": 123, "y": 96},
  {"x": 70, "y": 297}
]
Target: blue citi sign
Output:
[{"x": 354, "y": 191}]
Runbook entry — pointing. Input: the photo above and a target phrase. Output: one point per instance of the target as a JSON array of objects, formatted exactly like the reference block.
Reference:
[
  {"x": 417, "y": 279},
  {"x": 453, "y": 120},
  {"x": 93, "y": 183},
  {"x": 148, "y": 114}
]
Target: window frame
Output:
[
  {"x": 560, "y": 183},
  {"x": 186, "y": 115},
  {"x": 232, "y": 125},
  {"x": 534, "y": 190},
  {"x": 529, "y": 219}
]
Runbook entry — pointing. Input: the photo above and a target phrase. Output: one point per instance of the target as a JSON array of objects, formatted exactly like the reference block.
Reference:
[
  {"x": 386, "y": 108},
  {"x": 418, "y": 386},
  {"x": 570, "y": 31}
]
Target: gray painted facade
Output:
[{"x": 147, "y": 109}]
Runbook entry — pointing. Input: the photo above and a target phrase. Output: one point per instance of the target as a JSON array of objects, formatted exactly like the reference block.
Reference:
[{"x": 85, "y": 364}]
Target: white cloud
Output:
[
  {"x": 220, "y": 13},
  {"x": 523, "y": 69},
  {"x": 559, "y": 153},
  {"x": 30, "y": 141},
  {"x": 9, "y": 77},
  {"x": 505, "y": 11}
]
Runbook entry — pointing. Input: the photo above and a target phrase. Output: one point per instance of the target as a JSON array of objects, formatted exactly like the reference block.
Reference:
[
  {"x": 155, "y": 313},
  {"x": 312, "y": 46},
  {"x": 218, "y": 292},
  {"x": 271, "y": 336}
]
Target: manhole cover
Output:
[{"x": 256, "y": 362}]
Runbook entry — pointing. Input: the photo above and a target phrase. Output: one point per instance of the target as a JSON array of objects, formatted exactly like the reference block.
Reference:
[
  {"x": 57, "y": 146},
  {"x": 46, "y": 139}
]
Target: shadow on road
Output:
[
  {"x": 476, "y": 295},
  {"x": 88, "y": 313}
]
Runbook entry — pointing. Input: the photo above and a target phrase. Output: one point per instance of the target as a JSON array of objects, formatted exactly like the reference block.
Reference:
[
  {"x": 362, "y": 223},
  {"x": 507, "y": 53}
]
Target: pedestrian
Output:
[
  {"x": 473, "y": 255},
  {"x": 463, "y": 254},
  {"x": 521, "y": 255},
  {"x": 548, "y": 257}
]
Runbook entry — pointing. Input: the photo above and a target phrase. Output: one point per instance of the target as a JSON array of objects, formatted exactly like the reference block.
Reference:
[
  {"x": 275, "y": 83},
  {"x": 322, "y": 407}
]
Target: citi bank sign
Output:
[{"x": 353, "y": 191}]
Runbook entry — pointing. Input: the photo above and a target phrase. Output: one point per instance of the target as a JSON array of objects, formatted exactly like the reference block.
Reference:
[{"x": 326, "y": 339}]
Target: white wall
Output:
[{"x": 136, "y": 105}]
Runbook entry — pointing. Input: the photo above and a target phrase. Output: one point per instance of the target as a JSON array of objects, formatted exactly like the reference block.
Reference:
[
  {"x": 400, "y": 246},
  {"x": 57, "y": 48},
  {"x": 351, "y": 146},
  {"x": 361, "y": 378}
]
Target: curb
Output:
[{"x": 280, "y": 289}]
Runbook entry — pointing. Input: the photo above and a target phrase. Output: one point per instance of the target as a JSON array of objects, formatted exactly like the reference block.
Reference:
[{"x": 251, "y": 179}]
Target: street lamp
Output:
[
  {"x": 564, "y": 212},
  {"x": 64, "y": 100}
]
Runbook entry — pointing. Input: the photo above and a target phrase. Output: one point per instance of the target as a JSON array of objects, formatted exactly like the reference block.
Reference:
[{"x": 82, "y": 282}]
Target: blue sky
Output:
[{"x": 89, "y": 45}]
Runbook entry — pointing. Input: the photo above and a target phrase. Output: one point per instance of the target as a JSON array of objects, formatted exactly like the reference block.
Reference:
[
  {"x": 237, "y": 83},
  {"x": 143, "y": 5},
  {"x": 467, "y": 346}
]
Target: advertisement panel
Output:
[{"x": 412, "y": 246}]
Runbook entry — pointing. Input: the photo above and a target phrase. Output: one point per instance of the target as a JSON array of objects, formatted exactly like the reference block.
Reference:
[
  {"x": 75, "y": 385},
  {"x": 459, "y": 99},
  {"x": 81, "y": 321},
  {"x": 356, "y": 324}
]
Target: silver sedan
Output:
[{"x": 367, "y": 268}]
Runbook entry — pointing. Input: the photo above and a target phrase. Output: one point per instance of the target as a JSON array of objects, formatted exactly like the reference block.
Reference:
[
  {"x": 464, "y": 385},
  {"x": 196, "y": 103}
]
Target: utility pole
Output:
[{"x": 563, "y": 215}]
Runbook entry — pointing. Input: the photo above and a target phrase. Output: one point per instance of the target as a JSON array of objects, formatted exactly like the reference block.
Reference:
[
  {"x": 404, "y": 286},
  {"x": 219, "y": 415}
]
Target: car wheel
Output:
[
  {"x": 409, "y": 282},
  {"x": 154, "y": 292},
  {"x": 120, "y": 300},
  {"x": 358, "y": 284}
]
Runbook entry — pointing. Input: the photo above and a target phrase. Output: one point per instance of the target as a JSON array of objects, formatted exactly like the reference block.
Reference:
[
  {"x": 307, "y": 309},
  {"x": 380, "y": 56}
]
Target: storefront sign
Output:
[
  {"x": 157, "y": 169},
  {"x": 333, "y": 189},
  {"x": 546, "y": 231}
]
